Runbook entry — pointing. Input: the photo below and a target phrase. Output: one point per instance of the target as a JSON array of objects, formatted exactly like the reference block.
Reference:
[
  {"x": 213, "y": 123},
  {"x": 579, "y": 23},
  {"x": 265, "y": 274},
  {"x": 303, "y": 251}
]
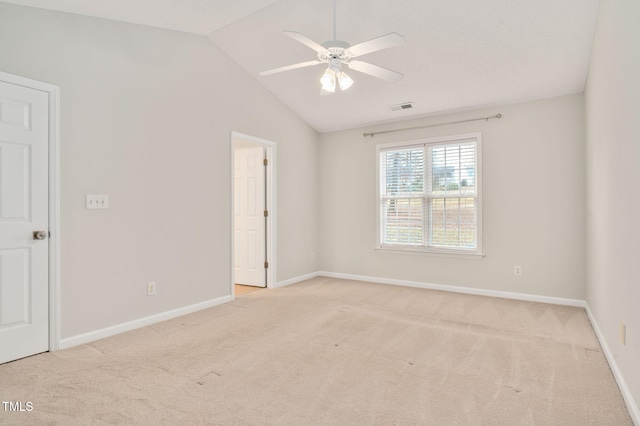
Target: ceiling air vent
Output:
[{"x": 399, "y": 107}]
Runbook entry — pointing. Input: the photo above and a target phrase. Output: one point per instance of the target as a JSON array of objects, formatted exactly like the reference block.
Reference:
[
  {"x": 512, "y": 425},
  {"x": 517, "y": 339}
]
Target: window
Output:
[{"x": 429, "y": 195}]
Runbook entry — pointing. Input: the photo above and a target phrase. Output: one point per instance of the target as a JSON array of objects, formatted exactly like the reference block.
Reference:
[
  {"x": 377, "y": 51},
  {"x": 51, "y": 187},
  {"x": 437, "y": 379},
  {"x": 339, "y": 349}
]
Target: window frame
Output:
[{"x": 426, "y": 248}]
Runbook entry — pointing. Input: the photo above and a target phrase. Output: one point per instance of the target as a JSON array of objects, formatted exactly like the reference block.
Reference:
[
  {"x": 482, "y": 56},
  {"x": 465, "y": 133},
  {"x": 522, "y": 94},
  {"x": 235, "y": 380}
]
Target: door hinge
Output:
[
  {"x": 265, "y": 162},
  {"x": 266, "y": 264},
  {"x": 266, "y": 213}
]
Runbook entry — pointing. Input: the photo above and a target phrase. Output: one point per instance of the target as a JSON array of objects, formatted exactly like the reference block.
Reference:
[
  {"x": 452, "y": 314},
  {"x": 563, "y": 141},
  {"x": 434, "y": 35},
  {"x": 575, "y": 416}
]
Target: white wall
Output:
[
  {"x": 146, "y": 116},
  {"x": 533, "y": 171},
  {"x": 613, "y": 165}
]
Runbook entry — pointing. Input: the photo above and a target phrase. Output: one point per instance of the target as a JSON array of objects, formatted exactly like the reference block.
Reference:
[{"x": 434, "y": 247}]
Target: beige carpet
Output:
[{"x": 332, "y": 352}]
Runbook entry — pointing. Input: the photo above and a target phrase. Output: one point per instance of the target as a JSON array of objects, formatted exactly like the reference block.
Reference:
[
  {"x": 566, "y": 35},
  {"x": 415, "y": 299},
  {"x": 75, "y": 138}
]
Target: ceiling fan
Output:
[{"x": 336, "y": 53}]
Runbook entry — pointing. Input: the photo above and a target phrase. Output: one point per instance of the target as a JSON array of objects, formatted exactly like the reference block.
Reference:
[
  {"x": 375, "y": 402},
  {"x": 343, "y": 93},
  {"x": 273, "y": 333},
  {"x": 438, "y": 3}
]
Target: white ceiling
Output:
[
  {"x": 458, "y": 54},
  {"x": 190, "y": 16}
]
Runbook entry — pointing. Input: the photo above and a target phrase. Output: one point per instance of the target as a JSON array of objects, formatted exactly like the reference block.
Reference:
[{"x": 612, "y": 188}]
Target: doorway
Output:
[
  {"x": 29, "y": 224},
  {"x": 252, "y": 212}
]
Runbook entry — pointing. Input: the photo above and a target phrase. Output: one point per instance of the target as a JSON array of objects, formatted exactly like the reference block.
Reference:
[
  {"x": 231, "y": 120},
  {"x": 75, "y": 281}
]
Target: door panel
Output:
[
  {"x": 24, "y": 282},
  {"x": 14, "y": 287},
  {"x": 14, "y": 164},
  {"x": 249, "y": 198}
]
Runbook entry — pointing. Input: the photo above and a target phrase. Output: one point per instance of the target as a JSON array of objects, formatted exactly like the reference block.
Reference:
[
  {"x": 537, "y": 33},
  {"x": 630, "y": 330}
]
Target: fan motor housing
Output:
[{"x": 337, "y": 52}]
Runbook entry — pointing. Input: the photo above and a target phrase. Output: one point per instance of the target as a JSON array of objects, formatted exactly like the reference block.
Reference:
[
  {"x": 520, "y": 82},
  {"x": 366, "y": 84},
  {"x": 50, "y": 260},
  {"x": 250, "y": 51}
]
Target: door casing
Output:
[
  {"x": 54, "y": 196},
  {"x": 270, "y": 148}
]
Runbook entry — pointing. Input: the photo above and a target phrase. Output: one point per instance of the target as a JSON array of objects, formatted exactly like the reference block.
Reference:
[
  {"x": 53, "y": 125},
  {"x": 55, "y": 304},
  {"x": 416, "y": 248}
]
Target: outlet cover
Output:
[
  {"x": 623, "y": 333},
  {"x": 517, "y": 270},
  {"x": 97, "y": 201},
  {"x": 151, "y": 289}
]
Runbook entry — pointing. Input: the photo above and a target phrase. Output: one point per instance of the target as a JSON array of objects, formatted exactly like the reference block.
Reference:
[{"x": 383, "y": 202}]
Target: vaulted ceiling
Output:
[{"x": 457, "y": 55}]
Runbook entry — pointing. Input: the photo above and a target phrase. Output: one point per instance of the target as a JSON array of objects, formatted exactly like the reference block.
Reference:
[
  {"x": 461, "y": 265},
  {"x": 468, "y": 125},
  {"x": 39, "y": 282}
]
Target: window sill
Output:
[{"x": 436, "y": 253}]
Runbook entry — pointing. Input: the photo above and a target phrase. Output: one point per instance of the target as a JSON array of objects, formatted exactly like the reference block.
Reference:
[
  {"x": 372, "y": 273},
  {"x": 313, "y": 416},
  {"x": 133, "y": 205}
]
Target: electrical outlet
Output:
[
  {"x": 94, "y": 201},
  {"x": 313, "y": 255},
  {"x": 151, "y": 289},
  {"x": 623, "y": 333},
  {"x": 517, "y": 270}
]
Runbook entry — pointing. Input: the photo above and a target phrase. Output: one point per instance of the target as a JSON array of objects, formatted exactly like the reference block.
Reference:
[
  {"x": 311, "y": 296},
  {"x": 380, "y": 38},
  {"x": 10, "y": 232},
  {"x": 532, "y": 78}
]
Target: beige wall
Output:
[
  {"x": 533, "y": 195},
  {"x": 613, "y": 165},
  {"x": 146, "y": 116}
]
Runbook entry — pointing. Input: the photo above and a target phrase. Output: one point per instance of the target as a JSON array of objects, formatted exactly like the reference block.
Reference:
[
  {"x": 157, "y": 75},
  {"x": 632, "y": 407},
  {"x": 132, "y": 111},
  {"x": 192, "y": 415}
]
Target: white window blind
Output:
[
  {"x": 402, "y": 184},
  {"x": 429, "y": 196}
]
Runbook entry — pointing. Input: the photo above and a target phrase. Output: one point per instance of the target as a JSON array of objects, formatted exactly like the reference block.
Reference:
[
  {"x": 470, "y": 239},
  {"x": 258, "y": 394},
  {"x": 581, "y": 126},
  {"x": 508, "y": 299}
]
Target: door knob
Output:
[{"x": 39, "y": 235}]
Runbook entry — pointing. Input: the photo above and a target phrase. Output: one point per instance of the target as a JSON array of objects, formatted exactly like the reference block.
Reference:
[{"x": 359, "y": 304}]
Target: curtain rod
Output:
[{"x": 485, "y": 118}]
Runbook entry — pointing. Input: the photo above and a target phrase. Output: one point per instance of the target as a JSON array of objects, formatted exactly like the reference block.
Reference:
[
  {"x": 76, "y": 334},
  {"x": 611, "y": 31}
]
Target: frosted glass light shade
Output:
[
  {"x": 328, "y": 81},
  {"x": 345, "y": 81}
]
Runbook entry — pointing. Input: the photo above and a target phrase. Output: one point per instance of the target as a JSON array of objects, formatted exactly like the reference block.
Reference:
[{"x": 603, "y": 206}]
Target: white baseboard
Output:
[
  {"x": 297, "y": 279},
  {"x": 456, "y": 289},
  {"x": 143, "y": 322},
  {"x": 626, "y": 394},
  {"x": 624, "y": 389},
  {"x": 139, "y": 323}
]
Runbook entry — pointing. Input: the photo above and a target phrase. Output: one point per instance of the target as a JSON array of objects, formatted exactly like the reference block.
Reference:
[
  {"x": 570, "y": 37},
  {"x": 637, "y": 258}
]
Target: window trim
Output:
[{"x": 426, "y": 249}]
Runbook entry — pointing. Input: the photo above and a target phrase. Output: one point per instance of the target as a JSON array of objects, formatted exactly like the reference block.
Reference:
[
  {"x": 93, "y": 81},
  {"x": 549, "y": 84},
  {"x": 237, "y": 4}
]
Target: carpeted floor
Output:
[{"x": 331, "y": 352}]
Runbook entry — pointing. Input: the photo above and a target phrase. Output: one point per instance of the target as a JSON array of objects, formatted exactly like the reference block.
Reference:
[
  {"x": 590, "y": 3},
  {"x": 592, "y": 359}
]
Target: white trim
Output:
[
  {"x": 624, "y": 389},
  {"x": 143, "y": 322},
  {"x": 54, "y": 197},
  {"x": 271, "y": 207},
  {"x": 476, "y": 138},
  {"x": 54, "y": 219},
  {"x": 298, "y": 279},
  {"x": 626, "y": 394},
  {"x": 418, "y": 252},
  {"x": 456, "y": 289},
  {"x": 139, "y": 323}
]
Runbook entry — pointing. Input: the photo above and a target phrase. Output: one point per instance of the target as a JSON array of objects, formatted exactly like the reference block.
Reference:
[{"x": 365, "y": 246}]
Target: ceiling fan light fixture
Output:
[
  {"x": 344, "y": 80},
  {"x": 336, "y": 53},
  {"x": 328, "y": 81}
]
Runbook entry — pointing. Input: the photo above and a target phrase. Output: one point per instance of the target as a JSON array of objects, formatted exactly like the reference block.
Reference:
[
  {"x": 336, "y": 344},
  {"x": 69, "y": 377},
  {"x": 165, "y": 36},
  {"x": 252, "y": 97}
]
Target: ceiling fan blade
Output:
[
  {"x": 291, "y": 67},
  {"x": 382, "y": 42},
  {"x": 376, "y": 71},
  {"x": 306, "y": 41}
]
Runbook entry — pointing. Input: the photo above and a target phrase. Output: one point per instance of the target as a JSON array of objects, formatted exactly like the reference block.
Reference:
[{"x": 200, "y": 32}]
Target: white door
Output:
[
  {"x": 24, "y": 282},
  {"x": 249, "y": 220}
]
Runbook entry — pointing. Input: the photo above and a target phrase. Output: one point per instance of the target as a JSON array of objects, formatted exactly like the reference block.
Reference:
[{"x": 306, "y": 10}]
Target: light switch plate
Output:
[{"x": 97, "y": 201}]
